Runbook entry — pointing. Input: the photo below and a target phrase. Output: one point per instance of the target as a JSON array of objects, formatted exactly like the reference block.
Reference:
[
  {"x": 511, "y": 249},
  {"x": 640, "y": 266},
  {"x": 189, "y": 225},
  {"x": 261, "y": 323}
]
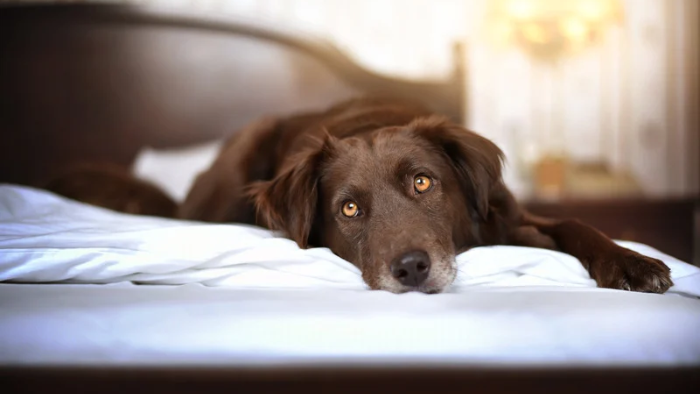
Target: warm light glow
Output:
[
  {"x": 503, "y": 31},
  {"x": 521, "y": 9},
  {"x": 535, "y": 33},
  {"x": 550, "y": 28},
  {"x": 575, "y": 29},
  {"x": 594, "y": 10}
]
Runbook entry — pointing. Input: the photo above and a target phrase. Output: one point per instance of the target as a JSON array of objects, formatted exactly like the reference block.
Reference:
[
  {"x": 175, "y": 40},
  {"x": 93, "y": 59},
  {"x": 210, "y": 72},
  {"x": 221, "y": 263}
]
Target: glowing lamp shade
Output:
[{"x": 551, "y": 28}]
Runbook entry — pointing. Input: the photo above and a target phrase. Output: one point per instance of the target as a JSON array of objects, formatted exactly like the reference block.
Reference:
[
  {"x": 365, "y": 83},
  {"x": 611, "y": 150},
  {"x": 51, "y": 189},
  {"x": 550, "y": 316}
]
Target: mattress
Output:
[{"x": 83, "y": 285}]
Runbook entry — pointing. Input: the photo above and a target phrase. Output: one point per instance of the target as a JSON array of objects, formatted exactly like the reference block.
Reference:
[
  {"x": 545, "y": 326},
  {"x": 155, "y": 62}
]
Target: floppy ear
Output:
[
  {"x": 289, "y": 201},
  {"x": 477, "y": 160},
  {"x": 217, "y": 195}
]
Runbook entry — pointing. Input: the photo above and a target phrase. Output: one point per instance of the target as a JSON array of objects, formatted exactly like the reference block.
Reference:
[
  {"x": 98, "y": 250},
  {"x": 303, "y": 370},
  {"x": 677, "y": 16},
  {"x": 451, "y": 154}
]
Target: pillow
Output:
[{"x": 174, "y": 170}]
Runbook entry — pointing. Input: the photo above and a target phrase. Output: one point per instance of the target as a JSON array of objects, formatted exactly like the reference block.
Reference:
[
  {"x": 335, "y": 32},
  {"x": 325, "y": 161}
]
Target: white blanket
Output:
[
  {"x": 247, "y": 296},
  {"x": 46, "y": 238}
]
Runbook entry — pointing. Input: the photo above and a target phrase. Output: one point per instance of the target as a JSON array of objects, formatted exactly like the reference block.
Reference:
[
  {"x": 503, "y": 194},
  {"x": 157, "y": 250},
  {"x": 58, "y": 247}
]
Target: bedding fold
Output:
[{"x": 45, "y": 238}]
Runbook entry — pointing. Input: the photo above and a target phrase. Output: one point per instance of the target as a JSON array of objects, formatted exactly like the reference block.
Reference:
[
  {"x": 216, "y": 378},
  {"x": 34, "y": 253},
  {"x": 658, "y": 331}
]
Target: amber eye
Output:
[
  {"x": 350, "y": 209},
  {"x": 422, "y": 183}
]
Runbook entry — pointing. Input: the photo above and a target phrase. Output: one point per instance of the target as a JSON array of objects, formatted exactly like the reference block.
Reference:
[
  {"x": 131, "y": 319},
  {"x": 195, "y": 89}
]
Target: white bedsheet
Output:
[{"x": 246, "y": 296}]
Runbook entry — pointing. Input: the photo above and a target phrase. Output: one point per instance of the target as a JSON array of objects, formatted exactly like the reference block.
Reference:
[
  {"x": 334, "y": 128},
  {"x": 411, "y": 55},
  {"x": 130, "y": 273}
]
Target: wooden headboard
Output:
[{"x": 97, "y": 82}]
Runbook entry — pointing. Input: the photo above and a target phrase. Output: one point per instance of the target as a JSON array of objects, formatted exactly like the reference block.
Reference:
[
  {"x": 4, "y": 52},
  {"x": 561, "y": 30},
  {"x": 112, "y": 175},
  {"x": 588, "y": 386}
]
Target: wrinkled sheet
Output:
[
  {"x": 245, "y": 296},
  {"x": 46, "y": 238}
]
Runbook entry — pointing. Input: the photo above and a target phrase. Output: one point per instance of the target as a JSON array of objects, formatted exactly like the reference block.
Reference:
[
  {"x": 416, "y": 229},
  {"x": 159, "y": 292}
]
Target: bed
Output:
[{"x": 92, "y": 298}]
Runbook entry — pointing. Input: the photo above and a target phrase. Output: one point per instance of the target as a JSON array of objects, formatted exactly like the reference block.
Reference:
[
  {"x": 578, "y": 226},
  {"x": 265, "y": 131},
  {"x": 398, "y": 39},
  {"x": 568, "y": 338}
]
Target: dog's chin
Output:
[
  {"x": 435, "y": 284},
  {"x": 400, "y": 289}
]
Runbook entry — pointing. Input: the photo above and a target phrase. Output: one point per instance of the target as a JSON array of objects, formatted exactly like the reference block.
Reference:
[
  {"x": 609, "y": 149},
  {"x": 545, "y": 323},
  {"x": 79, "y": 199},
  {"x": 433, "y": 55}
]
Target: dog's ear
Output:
[
  {"x": 477, "y": 160},
  {"x": 289, "y": 201},
  {"x": 216, "y": 194}
]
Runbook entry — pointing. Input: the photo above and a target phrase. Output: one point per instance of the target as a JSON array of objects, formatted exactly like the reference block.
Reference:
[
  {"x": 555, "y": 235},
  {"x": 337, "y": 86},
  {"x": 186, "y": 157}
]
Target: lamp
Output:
[{"x": 550, "y": 28}]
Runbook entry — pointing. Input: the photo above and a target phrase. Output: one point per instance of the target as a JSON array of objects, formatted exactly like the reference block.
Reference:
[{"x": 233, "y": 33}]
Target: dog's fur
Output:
[
  {"x": 112, "y": 187},
  {"x": 295, "y": 175}
]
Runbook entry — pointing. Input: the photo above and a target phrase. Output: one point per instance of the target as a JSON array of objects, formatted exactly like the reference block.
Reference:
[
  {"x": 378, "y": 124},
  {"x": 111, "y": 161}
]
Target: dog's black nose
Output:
[{"x": 411, "y": 268}]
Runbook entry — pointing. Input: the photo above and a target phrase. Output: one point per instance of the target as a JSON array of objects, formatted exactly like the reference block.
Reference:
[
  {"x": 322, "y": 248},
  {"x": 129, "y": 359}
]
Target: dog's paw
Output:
[{"x": 628, "y": 270}]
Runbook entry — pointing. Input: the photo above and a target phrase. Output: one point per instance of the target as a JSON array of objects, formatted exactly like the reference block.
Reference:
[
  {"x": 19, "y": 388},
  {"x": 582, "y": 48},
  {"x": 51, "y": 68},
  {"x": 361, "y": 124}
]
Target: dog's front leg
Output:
[{"x": 611, "y": 265}]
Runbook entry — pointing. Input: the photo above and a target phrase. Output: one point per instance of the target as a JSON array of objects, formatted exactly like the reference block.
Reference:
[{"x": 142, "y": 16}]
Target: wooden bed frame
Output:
[{"x": 98, "y": 82}]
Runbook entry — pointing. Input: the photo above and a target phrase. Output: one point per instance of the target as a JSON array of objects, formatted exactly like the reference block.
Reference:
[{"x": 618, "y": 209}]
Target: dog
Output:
[
  {"x": 396, "y": 190},
  {"x": 113, "y": 187}
]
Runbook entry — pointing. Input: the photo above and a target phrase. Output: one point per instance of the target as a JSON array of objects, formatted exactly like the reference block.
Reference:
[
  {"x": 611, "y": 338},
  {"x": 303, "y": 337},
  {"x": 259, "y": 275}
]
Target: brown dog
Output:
[
  {"x": 112, "y": 187},
  {"x": 397, "y": 191}
]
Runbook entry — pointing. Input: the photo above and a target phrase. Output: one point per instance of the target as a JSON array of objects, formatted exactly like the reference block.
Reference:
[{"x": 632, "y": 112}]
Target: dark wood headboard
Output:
[{"x": 97, "y": 82}]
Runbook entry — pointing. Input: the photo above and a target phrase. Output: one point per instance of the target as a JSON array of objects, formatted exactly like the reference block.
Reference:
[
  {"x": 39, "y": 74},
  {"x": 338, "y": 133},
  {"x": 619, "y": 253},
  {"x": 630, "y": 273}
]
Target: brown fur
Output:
[
  {"x": 297, "y": 172},
  {"x": 112, "y": 187},
  {"x": 294, "y": 174}
]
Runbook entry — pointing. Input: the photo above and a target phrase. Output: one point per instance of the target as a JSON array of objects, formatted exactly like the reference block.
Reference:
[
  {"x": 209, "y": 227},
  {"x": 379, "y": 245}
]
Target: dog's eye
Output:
[
  {"x": 422, "y": 183},
  {"x": 350, "y": 209}
]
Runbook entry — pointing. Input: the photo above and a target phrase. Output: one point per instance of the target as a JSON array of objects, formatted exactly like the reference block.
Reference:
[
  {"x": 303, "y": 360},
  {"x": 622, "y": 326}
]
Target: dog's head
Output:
[{"x": 396, "y": 202}]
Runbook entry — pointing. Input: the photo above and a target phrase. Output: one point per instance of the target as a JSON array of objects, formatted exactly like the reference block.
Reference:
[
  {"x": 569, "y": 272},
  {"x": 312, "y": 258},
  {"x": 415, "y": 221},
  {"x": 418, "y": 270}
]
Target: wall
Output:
[
  {"x": 630, "y": 102},
  {"x": 625, "y": 101}
]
